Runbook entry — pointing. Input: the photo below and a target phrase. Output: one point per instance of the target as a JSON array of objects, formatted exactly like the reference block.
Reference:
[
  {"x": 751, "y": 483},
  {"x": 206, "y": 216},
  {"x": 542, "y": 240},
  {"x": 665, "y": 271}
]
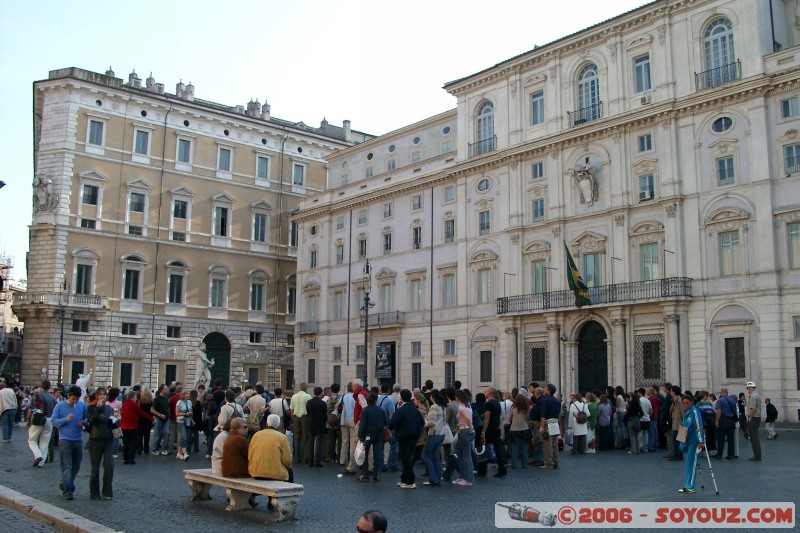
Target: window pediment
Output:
[
  {"x": 647, "y": 232},
  {"x": 261, "y": 205},
  {"x": 92, "y": 175},
  {"x": 87, "y": 253},
  {"x": 484, "y": 203},
  {"x": 537, "y": 191},
  {"x": 483, "y": 258},
  {"x": 537, "y": 250},
  {"x": 219, "y": 268},
  {"x": 182, "y": 191},
  {"x": 139, "y": 184},
  {"x": 448, "y": 269},
  {"x": 223, "y": 198},
  {"x": 728, "y": 219},
  {"x": 642, "y": 40},
  {"x": 644, "y": 166},
  {"x": 589, "y": 242},
  {"x": 723, "y": 146},
  {"x": 417, "y": 274},
  {"x": 539, "y": 77},
  {"x": 385, "y": 274}
]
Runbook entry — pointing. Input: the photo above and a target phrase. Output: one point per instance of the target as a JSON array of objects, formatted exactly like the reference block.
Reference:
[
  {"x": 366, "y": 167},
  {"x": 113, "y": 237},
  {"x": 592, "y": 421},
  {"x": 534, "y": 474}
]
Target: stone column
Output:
[
  {"x": 618, "y": 355},
  {"x": 569, "y": 376},
  {"x": 553, "y": 348},
  {"x": 516, "y": 354},
  {"x": 673, "y": 363}
]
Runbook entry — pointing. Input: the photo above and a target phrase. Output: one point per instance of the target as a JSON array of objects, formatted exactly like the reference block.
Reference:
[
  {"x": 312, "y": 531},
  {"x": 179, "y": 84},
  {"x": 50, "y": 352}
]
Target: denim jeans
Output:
[
  {"x": 70, "y": 454},
  {"x": 393, "y": 453},
  {"x": 161, "y": 435},
  {"x": 518, "y": 445},
  {"x": 464, "y": 452},
  {"x": 433, "y": 461},
  {"x": 653, "y": 444},
  {"x": 183, "y": 433},
  {"x": 8, "y": 423},
  {"x": 622, "y": 430}
]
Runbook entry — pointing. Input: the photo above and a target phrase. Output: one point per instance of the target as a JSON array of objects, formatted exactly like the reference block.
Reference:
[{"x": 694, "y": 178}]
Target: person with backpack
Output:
[
  {"x": 578, "y": 421},
  {"x": 769, "y": 423},
  {"x": 40, "y": 429},
  {"x": 408, "y": 423}
]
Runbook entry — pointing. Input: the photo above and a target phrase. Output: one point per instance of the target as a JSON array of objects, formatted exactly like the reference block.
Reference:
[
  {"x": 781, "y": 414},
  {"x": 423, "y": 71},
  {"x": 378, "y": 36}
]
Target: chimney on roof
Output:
[
  {"x": 348, "y": 133},
  {"x": 160, "y": 88},
  {"x": 253, "y": 108},
  {"x": 110, "y": 72},
  {"x": 239, "y": 109},
  {"x": 323, "y": 123},
  {"x": 265, "y": 111},
  {"x": 150, "y": 82},
  {"x": 133, "y": 79},
  {"x": 180, "y": 88},
  {"x": 190, "y": 92}
]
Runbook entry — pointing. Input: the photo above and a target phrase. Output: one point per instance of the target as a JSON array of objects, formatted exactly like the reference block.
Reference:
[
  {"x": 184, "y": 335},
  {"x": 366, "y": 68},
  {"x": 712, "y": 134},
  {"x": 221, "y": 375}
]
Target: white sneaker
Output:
[
  {"x": 186, "y": 457},
  {"x": 179, "y": 457}
]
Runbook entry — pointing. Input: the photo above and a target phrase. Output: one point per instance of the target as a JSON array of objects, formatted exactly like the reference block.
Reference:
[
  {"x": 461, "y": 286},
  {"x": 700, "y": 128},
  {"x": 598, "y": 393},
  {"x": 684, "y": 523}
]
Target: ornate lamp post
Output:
[{"x": 365, "y": 309}]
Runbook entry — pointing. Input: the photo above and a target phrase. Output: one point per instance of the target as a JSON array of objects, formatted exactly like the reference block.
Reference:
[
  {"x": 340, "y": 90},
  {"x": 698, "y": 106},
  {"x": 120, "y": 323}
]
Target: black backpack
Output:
[
  {"x": 477, "y": 418},
  {"x": 38, "y": 417},
  {"x": 581, "y": 417}
]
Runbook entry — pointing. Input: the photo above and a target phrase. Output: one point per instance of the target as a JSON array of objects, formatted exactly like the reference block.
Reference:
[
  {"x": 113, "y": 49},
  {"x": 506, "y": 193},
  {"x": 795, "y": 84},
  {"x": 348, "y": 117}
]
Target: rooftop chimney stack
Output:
[
  {"x": 150, "y": 82},
  {"x": 265, "y": 111},
  {"x": 180, "y": 88},
  {"x": 253, "y": 107},
  {"x": 110, "y": 72},
  {"x": 348, "y": 133},
  {"x": 190, "y": 92},
  {"x": 133, "y": 80}
]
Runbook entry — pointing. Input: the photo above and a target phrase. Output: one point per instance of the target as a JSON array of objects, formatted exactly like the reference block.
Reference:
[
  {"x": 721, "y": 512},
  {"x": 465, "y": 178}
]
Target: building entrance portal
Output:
[
  {"x": 592, "y": 358},
  {"x": 218, "y": 348}
]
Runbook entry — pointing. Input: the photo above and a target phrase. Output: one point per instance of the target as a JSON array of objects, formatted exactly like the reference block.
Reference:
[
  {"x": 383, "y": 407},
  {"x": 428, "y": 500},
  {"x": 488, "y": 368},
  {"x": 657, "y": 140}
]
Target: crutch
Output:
[{"x": 710, "y": 469}]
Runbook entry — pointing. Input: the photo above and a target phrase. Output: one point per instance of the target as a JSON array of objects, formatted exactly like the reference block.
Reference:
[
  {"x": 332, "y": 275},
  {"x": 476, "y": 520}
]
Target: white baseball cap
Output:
[{"x": 750, "y": 384}]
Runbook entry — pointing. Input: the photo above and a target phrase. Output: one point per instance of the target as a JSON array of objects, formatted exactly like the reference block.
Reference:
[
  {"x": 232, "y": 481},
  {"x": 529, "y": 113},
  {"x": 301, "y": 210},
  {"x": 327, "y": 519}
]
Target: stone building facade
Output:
[
  {"x": 161, "y": 221},
  {"x": 659, "y": 149}
]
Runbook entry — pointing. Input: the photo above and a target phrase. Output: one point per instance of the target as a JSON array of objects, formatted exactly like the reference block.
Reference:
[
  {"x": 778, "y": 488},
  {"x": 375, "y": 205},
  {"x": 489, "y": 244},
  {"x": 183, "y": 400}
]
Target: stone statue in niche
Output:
[
  {"x": 83, "y": 383},
  {"x": 202, "y": 366},
  {"x": 43, "y": 198},
  {"x": 583, "y": 174}
]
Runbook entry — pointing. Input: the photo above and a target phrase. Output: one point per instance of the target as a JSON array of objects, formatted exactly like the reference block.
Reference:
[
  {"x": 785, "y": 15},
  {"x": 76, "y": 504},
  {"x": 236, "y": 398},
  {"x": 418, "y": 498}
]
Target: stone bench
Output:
[{"x": 283, "y": 496}]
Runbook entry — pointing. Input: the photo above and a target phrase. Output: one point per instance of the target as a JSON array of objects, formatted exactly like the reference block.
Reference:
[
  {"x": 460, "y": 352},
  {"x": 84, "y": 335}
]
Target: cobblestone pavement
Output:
[
  {"x": 153, "y": 495},
  {"x": 17, "y": 522}
]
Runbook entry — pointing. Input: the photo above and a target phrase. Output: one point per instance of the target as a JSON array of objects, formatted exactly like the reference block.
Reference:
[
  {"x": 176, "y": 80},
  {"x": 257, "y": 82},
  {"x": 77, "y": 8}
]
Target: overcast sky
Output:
[{"x": 378, "y": 64}]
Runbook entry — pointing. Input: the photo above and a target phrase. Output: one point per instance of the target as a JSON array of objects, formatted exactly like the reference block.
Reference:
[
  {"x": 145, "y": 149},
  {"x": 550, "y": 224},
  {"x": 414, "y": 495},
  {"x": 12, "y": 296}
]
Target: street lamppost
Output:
[
  {"x": 62, "y": 305},
  {"x": 365, "y": 309}
]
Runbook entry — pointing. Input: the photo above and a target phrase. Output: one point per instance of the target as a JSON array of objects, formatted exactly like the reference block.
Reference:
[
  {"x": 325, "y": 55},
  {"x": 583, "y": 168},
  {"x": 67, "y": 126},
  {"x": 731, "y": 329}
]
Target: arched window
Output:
[
  {"x": 589, "y": 105},
  {"x": 719, "y": 54},
  {"x": 485, "y": 130}
]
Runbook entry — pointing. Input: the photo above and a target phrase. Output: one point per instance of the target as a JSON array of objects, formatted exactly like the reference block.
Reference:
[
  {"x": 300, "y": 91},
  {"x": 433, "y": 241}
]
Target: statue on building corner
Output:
[
  {"x": 583, "y": 174},
  {"x": 43, "y": 197},
  {"x": 83, "y": 383},
  {"x": 202, "y": 366}
]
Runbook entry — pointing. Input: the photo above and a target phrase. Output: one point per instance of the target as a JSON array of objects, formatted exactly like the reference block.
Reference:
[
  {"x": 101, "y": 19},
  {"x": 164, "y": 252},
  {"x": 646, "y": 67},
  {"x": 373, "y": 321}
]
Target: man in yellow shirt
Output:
[
  {"x": 301, "y": 425},
  {"x": 269, "y": 456}
]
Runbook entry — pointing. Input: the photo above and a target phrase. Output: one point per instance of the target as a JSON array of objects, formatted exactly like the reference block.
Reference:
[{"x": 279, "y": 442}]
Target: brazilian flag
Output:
[{"x": 575, "y": 282}]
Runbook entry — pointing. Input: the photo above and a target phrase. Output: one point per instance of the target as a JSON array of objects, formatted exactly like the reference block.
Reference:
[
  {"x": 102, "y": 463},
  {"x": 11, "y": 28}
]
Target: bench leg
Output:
[
  {"x": 285, "y": 508},
  {"x": 237, "y": 500},
  {"x": 199, "y": 490}
]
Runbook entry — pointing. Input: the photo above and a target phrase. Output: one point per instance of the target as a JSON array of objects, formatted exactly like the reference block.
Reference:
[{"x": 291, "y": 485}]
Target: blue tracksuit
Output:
[{"x": 693, "y": 422}]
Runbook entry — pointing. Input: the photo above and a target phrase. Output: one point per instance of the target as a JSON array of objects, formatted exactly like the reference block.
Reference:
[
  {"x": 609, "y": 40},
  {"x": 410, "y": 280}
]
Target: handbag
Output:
[
  {"x": 448, "y": 435},
  {"x": 360, "y": 454},
  {"x": 553, "y": 428},
  {"x": 387, "y": 435},
  {"x": 117, "y": 432},
  {"x": 683, "y": 432}
]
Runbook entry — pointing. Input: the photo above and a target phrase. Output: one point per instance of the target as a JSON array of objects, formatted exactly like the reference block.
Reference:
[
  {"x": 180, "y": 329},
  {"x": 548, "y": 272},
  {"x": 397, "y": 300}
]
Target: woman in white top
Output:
[
  {"x": 183, "y": 416},
  {"x": 579, "y": 430},
  {"x": 216, "y": 455}
]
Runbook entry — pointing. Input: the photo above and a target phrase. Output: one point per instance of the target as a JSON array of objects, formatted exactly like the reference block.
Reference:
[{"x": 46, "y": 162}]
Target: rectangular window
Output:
[
  {"x": 416, "y": 375},
  {"x": 387, "y": 243},
  {"x": 83, "y": 279},
  {"x": 734, "y": 358},
  {"x": 312, "y": 259},
  {"x": 449, "y": 290},
  {"x": 729, "y": 256},
  {"x": 449, "y": 230},
  {"x": 340, "y": 222},
  {"x": 792, "y": 158},
  {"x": 344, "y": 180},
  {"x": 179, "y": 208},
  {"x": 646, "y": 188},
  {"x": 256, "y": 296},
  {"x": 416, "y": 348},
  {"x": 449, "y": 373},
  {"x": 142, "y": 142},
  {"x": 592, "y": 273},
  {"x": 450, "y": 193},
  {"x": 90, "y": 193},
  {"x": 96, "y": 132},
  {"x": 796, "y": 320},
  {"x": 416, "y": 294},
  {"x": 484, "y": 286},
  {"x": 362, "y": 216},
  {"x": 80, "y": 326},
  {"x": 386, "y": 300},
  {"x": 362, "y": 248},
  {"x": 131, "y": 285},
  {"x": 537, "y": 108},
  {"x": 262, "y": 167},
  {"x": 649, "y": 262},
  {"x": 725, "y": 172},
  {"x": 255, "y": 337},
  {"x": 486, "y": 366},
  {"x": 416, "y": 236},
  {"x": 175, "y": 289},
  {"x": 184, "y": 151},
  {"x": 135, "y": 230},
  {"x": 484, "y": 223},
  {"x": 537, "y": 210},
  {"x": 416, "y": 156},
  {"x": 337, "y": 374},
  {"x": 252, "y": 375},
  {"x": 651, "y": 360},
  {"x": 793, "y": 234},
  {"x": 290, "y": 339},
  {"x": 537, "y": 170},
  {"x": 368, "y": 172},
  {"x": 291, "y": 301},
  {"x": 298, "y": 174},
  {"x": 259, "y": 227},
  {"x": 538, "y": 277},
  {"x": 170, "y": 373},
  {"x": 797, "y": 365},
  {"x": 125, "y": 375},
  {"x": 360, "y": 352},
  {"x": 391, "y": 165},
  {"x": 338, "y": 305},
  {"x": 642, "y": 68},
  {"x": 790, "y": 107},
  {"x": 293, "y": 233},
  {"x": 88, "y": 223},
  {"x": 224, "y": 160},
  {"x": 337, "y": 356},
  {"x": 128, "y": 328},
  {"x": 217, "y": 293},
  {"x": 221, "y": 221},
  {"x": 645, "y": 142},
  {"x": 416, "y": 202},
  {"x": 387, "y": 210},
  {"x": 137, "y": 202},
  {"x": 447, "y": 147},
  {"x": 178, "y": 236},
  {"x": 339, "y": 254},
  {"x": 449, "y": 347}
]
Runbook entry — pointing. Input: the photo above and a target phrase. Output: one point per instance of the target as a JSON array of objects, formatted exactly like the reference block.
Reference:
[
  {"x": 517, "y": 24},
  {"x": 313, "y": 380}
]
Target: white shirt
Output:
[
  {"x": 276, "y": 407},
  {"x": 647, "y": 408}
]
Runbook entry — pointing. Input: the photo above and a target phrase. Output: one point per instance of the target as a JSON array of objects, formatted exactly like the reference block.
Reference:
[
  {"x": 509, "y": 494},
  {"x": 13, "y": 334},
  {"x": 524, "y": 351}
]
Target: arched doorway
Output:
[
  {"x": 218, "y": 348},
  {"x": 592, "y": 358}
]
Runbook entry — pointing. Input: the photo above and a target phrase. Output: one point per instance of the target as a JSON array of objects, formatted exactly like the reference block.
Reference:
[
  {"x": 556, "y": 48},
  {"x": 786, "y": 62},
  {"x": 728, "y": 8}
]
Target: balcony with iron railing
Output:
[
  {"x": 483, "y": 146},
  {"x": 307, "y": 328},
  {"x": 385, "y": 320},
  {"x": 585, "y": 114},
  {"x": 84, "y": 301},
  {"x": 635, "y": 292},
  {"x": 717, "y": 76}
]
